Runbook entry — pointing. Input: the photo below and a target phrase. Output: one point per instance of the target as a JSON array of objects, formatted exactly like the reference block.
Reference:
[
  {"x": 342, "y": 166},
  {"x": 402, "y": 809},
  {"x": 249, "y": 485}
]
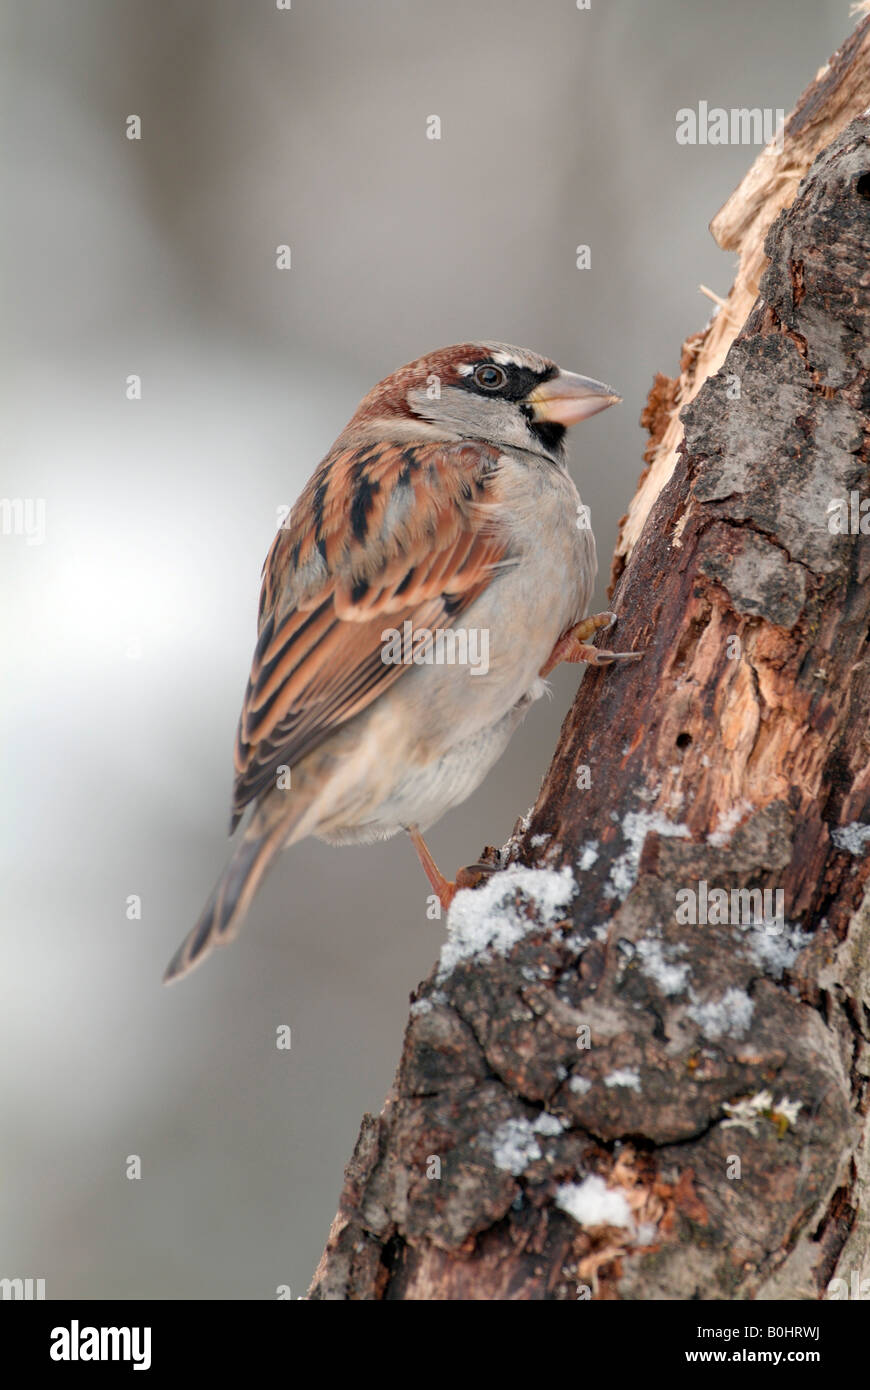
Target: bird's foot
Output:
[
  {"x": 473, "y": 875},
  {"x": 446, "y": 889},
  {"x": 573, "y": 645}
]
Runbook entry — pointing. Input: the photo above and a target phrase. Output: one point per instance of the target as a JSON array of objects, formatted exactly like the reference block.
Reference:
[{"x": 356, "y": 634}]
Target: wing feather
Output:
[{"x": 381, "y": 535}]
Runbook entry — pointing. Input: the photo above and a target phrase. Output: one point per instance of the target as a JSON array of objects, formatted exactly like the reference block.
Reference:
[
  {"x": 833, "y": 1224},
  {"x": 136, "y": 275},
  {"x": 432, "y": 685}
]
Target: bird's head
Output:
[{"x": 487, "y": 391}]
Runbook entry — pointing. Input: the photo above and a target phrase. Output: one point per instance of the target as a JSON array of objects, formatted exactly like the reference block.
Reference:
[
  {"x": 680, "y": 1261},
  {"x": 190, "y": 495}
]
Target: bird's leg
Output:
[
  {"x": 573, "y": 645},
  {"x": 446, "y": 890}
]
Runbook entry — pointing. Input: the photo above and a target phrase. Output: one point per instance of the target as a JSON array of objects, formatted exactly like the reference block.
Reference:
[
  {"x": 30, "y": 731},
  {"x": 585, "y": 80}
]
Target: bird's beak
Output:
[{"x": 568, "y": 398}]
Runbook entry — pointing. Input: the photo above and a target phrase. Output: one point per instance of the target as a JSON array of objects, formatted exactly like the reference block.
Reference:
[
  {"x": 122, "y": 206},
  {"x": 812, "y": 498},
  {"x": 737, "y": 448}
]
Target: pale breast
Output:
[
  {"x": 547, "y": 525},
  {"x": 432, "y": 737},
  {"x": 514, "y": 625}
]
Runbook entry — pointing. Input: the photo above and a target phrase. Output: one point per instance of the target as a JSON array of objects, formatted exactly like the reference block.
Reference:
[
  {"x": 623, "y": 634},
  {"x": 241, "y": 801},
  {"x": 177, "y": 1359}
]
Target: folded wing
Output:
[{"x": 381, "y": 535}]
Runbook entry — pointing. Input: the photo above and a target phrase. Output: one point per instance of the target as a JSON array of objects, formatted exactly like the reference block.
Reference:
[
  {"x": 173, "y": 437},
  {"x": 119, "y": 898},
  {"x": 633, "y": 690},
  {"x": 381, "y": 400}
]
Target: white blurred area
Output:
[{"x": 127, "y": 635}]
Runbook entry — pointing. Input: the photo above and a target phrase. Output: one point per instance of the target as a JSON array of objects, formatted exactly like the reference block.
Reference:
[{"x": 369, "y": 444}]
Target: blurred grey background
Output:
[{"x": 127, "y": 634}]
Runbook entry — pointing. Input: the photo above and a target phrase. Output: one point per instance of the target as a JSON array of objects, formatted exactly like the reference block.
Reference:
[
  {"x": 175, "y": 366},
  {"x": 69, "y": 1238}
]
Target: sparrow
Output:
[{"x": 441, "y": 525}]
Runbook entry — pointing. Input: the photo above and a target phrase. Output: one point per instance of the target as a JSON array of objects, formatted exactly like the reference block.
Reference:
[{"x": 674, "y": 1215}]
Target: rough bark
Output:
[
  {"x": 737, "y": 755},
  {"x": 839, "y": 94}
]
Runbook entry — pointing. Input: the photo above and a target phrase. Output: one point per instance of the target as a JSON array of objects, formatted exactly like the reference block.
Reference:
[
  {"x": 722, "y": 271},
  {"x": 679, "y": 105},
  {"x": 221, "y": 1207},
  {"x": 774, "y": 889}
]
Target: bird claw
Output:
[
  {"x": 474, "y": 874},
  {"x": 573, "y": 646},
  {"x": 599, "y": 656}
]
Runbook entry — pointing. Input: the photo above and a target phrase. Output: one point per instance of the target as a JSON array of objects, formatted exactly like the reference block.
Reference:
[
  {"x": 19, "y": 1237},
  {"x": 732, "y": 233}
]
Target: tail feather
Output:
[{"x": 226, "y": 908}]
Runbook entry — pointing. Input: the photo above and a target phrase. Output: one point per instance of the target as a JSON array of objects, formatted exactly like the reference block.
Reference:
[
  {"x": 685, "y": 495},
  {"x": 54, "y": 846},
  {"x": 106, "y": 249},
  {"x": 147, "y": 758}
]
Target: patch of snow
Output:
[
  {"x": 538, "y": 841},
  {"x": 514, "y": 1145},
  {"x": 728, "y": 822},
  {"x": 731, "y": 1015},
  {"x": 650, "y": 793},
  {"x": 670, "y": 978},
  {"x": 548, "y": 1124},
  {"x": 626, "y": 1077},
  {"x": 577, "y": 941},
  {"x": 636, "y": 825},
  {"x": 486, "y": 919},
  {"x": 593, "y": 1203},
  {"x": 775, "y": 953},
  {"x": 790, "y": 1109},
  {"x": 745, "y": 1114},
  {"x": 588, "y": 855},
  {"x": 421, "y": 1006},
  {"x": 579, "y": 1085},
  {"x": 852, "y": 838}
]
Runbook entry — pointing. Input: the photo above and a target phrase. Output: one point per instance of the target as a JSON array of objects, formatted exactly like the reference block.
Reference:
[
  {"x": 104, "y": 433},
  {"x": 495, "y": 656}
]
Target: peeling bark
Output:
[
  {"x": 839, "y": 94},
  {"x": 735, "y": 755}
]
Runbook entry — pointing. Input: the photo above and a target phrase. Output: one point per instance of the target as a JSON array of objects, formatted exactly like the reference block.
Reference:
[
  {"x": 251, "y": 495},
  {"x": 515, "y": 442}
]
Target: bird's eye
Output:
[{"x": 489, "y": 377}]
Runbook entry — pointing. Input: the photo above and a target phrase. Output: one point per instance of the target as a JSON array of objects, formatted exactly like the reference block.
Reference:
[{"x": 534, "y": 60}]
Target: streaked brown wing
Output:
[{"x": 380, "y": 535}]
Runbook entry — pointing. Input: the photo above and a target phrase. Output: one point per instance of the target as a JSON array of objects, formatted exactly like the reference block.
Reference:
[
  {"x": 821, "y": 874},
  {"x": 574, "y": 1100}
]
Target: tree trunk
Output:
[{"x": 615, "y": 1084}]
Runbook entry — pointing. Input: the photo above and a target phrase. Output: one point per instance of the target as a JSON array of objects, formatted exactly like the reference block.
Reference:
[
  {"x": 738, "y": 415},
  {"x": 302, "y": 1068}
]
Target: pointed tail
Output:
[{"x": 226, "y": 908}]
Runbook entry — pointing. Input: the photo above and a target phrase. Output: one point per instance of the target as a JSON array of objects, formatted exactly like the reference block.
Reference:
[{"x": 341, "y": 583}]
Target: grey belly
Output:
[{"x": 425, "y": 793}]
